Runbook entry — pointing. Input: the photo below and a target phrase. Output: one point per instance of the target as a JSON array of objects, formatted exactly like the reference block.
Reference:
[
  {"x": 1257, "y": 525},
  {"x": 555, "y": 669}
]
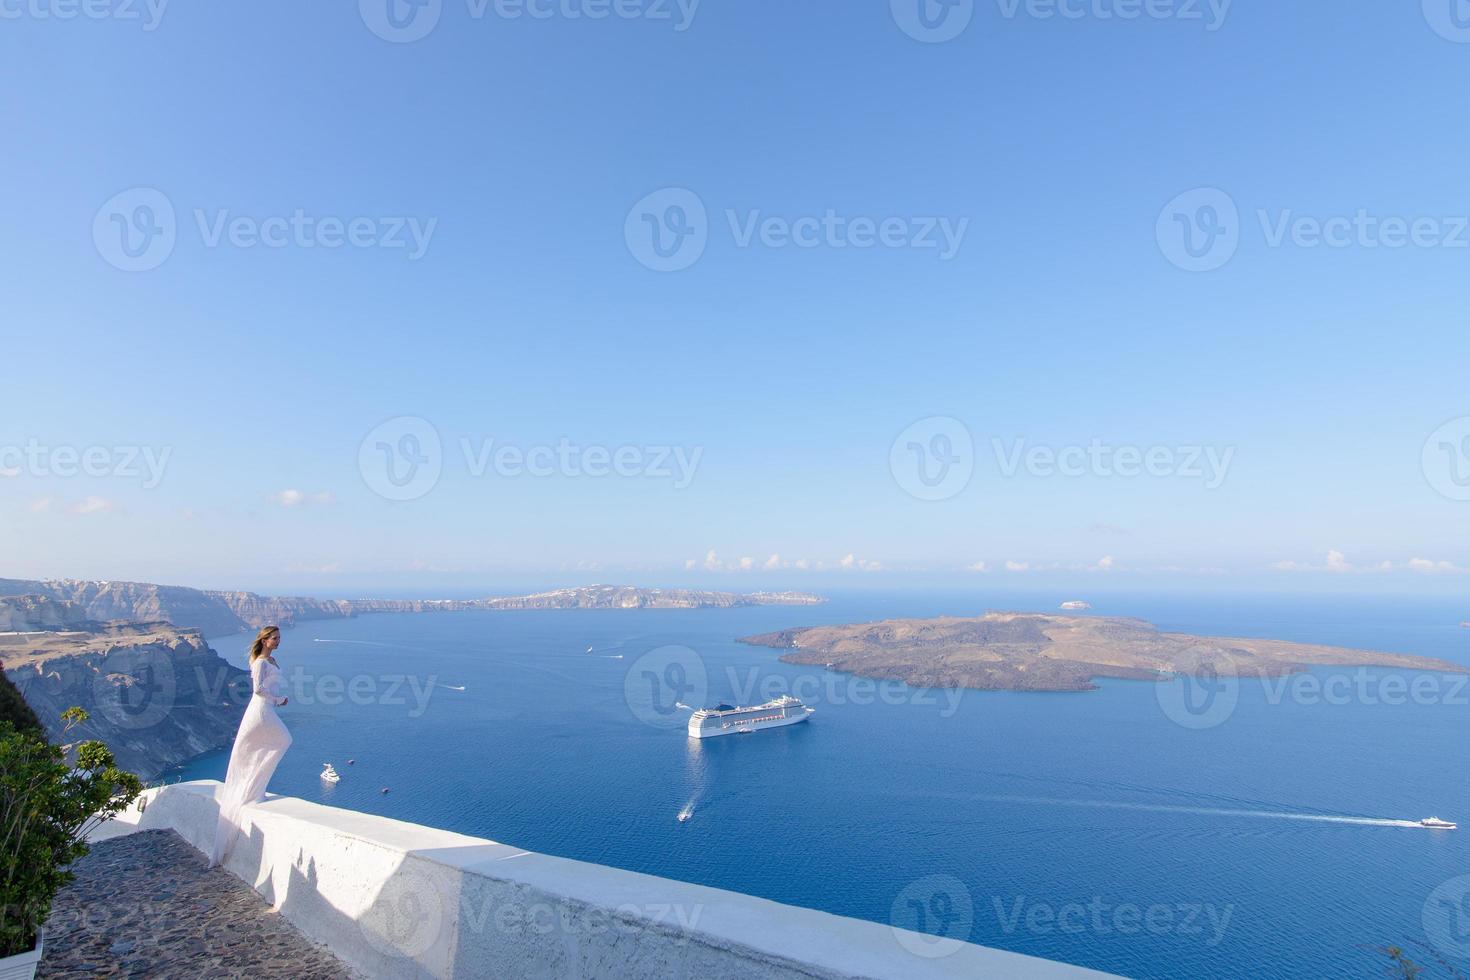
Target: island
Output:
[
  {"x": 628, "y": 597},
  {"x": 50, "y": 602},
  {"x": 1011, "y": 651}
]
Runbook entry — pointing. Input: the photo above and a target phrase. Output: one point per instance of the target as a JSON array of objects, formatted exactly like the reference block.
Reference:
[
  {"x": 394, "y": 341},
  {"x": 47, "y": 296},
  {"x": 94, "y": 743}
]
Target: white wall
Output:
[{"x": 395, "y": 899}]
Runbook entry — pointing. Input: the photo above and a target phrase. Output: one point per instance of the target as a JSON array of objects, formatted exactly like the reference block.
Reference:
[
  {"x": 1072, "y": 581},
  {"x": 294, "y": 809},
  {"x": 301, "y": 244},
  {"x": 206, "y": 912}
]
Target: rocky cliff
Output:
[
  {"x": 156, "y": 695},
  {"x": 219, "y": 613},
  {"x": 22, "y": 613}
]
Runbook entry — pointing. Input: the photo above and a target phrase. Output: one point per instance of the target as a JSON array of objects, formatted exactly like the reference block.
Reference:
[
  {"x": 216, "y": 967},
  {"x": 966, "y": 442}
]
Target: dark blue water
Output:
[{"x": 1093, "y": 828}]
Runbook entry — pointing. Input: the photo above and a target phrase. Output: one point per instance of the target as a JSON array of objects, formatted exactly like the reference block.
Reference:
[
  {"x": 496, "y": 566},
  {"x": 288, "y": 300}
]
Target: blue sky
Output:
[{"x": 529, "y": 153}]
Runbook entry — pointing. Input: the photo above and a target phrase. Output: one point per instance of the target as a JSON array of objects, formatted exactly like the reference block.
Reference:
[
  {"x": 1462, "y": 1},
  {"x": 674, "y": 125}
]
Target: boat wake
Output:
[
  {"x": 375, "y": 643},
  {"x": 451, "y": 687},
  {"x": 1213, "y": 811}
]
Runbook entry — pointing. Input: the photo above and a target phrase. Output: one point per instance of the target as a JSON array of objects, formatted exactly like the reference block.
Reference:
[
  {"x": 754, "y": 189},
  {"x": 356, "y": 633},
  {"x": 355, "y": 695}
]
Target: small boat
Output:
[
  {"x": 351, "y": 761},
  {"x": 329, "y": 775},
  {"x": 1434, "y": 823},
  {"x": 383, "y": 790},
  {"x": 589, "y": 649},
  {"x": 684, "y": 815}
]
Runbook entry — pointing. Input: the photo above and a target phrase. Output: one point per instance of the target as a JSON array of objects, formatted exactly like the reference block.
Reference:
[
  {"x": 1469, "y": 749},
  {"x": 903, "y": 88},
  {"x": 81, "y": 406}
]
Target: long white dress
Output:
[{"x": 259, "y": 745}]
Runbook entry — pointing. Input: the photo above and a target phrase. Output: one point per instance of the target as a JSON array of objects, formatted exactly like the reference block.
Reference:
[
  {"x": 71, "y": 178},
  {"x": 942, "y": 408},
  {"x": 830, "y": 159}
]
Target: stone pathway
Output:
[{"x": 145, "y": 905}]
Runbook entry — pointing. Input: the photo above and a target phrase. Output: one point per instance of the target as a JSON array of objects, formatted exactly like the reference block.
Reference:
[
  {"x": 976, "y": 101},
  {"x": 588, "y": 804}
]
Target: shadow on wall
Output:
[{"x": 454, "y": 913}]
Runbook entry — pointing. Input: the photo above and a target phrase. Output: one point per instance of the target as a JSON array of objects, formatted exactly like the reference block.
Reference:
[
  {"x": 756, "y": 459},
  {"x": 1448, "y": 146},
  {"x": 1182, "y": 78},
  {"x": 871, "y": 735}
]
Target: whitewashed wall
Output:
[{"x": 395, "y": 899}]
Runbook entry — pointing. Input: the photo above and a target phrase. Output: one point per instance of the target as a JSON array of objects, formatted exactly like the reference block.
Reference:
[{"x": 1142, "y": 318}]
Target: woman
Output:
[{"x": 259, "y": 744}]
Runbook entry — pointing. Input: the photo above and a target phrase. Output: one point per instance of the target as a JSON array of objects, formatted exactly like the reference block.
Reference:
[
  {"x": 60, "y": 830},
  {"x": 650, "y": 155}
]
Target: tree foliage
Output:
[{"x": 47, "y": 808}]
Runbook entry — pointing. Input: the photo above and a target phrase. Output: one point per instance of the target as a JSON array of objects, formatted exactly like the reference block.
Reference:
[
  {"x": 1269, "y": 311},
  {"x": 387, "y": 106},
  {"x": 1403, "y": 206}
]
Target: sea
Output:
[{"x": 1193, "y": 827}]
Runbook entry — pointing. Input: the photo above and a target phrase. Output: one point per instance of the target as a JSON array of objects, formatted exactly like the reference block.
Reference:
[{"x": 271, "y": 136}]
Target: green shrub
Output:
[{"x": 47, "y": 807}]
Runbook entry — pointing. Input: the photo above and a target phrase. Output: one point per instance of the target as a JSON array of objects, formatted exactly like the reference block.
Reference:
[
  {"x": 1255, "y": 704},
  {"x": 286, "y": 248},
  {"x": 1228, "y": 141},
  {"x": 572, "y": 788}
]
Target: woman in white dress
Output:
[{"x": 259, "y": 744}]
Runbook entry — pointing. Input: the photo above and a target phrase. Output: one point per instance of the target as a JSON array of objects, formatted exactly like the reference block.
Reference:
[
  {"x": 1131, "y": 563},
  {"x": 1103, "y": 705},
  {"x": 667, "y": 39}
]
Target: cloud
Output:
[
  {"x": 712, "y": 562},
  {"x": 1338, "y": 563},
  {"x": 978, "y": 566},
  {"x": 1104, "y": 564},
  {"x": 1017, "y": 566},
  {"x": 295, "y": 498},
  {"x": 93, "y": 505},
  {"x": 41, "y": 504},
  {"x": 1426, "y": 567}
]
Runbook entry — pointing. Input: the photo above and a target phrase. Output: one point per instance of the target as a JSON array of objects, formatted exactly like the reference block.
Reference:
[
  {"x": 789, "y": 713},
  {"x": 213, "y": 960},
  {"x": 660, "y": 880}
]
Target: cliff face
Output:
[
  {"x": 156, "y": 695},
  {"x": 219, "y": 613},
  {"x": 136, "y": 601},
  {"x": 21, "y": 613}
]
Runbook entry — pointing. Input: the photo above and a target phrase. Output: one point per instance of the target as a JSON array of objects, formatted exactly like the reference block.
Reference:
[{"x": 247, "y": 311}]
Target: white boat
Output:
[
  {"x": 329, "y": 774},
  {"x": 1434, "y": 823},
  {"x": 684, "y": 815},
  {"x": 728, "y": 720}
]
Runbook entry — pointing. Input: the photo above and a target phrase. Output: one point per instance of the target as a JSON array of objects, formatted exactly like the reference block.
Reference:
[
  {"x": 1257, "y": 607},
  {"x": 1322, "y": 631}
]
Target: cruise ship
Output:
[{"x": 727, "y": 720}]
